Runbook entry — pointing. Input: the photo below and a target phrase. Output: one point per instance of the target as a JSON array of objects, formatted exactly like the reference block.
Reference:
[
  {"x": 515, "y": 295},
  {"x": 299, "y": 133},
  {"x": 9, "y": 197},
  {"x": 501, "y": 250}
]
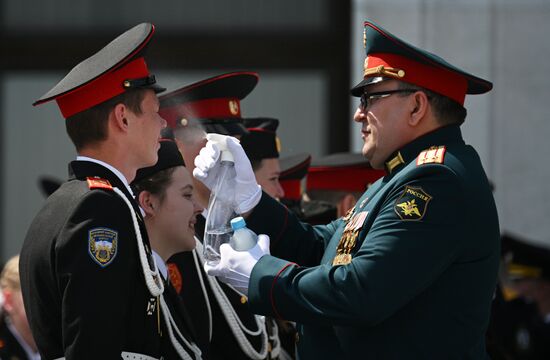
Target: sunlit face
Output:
[
  {"x": 145, "y": 128},
  {"x": 383, "y": 124},
  {"x": 174, "y": 216},
  {"x": 267, "y": 176}
]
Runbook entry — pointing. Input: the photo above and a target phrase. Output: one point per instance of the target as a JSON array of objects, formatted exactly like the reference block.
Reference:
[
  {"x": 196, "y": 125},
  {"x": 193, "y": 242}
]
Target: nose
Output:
[
  {"x": 360, "y": 115},
  {"x": 197, "y": 208},
  {"x": 163, "y": 122},
  {"x": 280, "y": 192}
]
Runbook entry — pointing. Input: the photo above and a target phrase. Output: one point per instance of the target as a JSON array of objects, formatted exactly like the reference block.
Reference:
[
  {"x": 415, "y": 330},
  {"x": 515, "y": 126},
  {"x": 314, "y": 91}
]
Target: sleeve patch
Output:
[
  {"x": 98, "y": 183},
  {"x": 412, "y": 204},
  {"x": 102, "y": 245},
  {"x": 433, "y": 155}
]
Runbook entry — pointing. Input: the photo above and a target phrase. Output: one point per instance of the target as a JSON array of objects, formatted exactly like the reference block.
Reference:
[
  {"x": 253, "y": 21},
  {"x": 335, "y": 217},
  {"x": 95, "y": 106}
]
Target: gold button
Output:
[{"x": 243, "y": 299}]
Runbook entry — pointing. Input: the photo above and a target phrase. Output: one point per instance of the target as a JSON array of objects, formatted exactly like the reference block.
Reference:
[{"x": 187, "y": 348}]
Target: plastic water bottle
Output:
[
  {"x": 218, "y": 230},
  {"x": 243, "y": 238}
]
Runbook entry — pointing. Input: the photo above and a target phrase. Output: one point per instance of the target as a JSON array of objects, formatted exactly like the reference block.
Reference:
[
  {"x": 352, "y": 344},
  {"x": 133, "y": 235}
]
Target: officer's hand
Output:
[
  {"x": 207, "y": 163},
  {"x": 235, "y": 266}
]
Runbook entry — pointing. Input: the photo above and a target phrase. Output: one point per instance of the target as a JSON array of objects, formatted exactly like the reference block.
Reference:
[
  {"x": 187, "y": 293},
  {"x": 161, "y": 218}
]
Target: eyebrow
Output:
[{"x": 190, "y": 187}]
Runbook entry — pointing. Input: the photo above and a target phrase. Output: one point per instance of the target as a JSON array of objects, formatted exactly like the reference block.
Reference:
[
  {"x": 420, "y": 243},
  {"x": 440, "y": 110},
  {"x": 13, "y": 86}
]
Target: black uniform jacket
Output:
[
  {"x": 182, "y": 319},
  {"x": 223, "y": 344},
  {"x": 82, "y": 280},
  {"x": 10, "y": 348}
]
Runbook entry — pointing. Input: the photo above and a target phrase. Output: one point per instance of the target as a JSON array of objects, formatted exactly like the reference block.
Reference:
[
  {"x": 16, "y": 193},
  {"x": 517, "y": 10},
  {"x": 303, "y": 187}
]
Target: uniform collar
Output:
[
  {"x": 114, "y": 170},
  {"x": 160, "y": 265},
  {"x": 441, "y": 136},
  {"x": 81, "y": 169}
]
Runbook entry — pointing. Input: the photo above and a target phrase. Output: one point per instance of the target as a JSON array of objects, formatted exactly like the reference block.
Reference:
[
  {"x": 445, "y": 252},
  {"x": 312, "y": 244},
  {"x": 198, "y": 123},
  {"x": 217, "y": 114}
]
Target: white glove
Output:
[
  {"x": 247, "y": 191},
  {"x": 235, "y": 266},
  {"x": 207, "y": 165}
]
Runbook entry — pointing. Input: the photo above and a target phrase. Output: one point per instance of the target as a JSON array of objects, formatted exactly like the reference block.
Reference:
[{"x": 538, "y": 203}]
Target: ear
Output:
[
  {"x": 120, "y": 114},
  {"x": 8, "y": 301},
  {"x": 147, "y": 202},
  {"x": 419, "y": 107}
]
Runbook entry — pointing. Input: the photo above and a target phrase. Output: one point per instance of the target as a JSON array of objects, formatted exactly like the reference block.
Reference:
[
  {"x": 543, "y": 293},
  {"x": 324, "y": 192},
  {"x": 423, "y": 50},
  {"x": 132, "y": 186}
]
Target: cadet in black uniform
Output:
[
  {"x": 90, "y": 285},
  {"x": 16, "y": 340},
  {"x": 220, "y": 314},
  {"x": 165, "y": 193}
]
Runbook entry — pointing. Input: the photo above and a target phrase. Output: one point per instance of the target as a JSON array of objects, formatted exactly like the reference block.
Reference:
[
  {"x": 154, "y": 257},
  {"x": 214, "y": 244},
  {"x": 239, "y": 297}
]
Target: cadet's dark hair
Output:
[
  {"x": 90, "y": 126},
  {"x": 256, "y": 164},
  {"x": 156, "y": 184},
  {"x": 446, "y": 110}
]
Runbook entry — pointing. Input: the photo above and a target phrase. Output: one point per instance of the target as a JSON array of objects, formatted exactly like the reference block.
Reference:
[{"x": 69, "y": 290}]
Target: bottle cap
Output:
[{"x": 238, "y": 223}]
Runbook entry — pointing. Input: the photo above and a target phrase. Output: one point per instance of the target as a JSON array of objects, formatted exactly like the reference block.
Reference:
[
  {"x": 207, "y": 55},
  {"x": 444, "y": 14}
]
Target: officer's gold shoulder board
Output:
[
  {"x": 433, "y": 155},
  {"x": 175, "y": 277},
  {"x": 412, "y": 204},
  {"x": 102, "y": 245},
  {"x": 98, "y": 183}
]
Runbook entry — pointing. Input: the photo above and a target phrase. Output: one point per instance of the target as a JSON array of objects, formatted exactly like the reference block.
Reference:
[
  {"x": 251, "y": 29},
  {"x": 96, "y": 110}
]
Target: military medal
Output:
[{"x": 354, "y": 224}]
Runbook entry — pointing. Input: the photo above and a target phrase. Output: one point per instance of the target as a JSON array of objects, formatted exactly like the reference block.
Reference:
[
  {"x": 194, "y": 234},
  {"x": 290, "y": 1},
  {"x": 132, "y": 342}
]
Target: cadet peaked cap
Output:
[
  {"x": 341, "y": 171},
  {"x": 261, "y": 142},
  {"x": 391, "y": 57},
  {"x": 293, "y": 170},
  {"x": 524, "y": 260},
  {"x": 214, "y": 103},
  {"x": 168, "y": 156},
  {"x": 117, "y": 67}
]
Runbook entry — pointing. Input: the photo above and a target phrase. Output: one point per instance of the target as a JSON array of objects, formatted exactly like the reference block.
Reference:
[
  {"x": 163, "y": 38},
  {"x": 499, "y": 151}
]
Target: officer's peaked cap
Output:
[{"x": 390, "y": 57}]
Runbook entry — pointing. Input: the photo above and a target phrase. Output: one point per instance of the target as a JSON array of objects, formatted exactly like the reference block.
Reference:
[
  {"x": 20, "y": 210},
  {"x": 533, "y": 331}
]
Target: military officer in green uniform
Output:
[{"x": 410, "y": 271}]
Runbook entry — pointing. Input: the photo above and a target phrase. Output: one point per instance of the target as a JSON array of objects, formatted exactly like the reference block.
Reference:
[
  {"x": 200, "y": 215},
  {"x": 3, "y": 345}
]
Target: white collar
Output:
[
  {"x": 160, "y": 264},
  {"x": 110, "y": 167},
  {"x": 31, "y": 354}
]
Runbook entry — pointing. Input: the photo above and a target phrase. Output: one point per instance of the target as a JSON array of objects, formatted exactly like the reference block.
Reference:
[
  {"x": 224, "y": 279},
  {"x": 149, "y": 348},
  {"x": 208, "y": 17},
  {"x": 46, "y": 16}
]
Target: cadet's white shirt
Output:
[{"x": 31, "y": 354}]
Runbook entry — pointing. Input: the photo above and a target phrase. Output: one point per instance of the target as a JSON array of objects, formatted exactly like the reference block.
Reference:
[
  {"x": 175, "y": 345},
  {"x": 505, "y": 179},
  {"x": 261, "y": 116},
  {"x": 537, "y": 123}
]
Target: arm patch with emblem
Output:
[{"x": 412, "y": 204}]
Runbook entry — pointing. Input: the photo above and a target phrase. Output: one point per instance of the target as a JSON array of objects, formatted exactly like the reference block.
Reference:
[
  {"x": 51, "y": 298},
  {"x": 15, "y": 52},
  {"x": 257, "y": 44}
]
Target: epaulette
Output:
[
  {"x": 433, "y": 155},
  {"x": 98, "y": 183}
]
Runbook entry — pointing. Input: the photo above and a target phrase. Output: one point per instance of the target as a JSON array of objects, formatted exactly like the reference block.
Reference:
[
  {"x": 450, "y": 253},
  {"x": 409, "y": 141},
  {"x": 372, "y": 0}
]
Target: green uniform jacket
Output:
[{"x": 423, "y": 270}]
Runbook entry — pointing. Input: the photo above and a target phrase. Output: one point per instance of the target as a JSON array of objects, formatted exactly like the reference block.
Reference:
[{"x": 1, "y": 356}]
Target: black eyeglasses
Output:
[{"x": 367, "y": 98}]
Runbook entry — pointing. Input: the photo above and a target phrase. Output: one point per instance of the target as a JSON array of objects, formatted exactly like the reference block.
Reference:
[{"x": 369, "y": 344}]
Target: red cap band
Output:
[
  {"x": 437, "y": 79},
  {"x": 292, "y": 188},
  {"x": 103, "y": 88},
  {"x": 342, "y": 179},
  {"x": 202, "y": 109}
]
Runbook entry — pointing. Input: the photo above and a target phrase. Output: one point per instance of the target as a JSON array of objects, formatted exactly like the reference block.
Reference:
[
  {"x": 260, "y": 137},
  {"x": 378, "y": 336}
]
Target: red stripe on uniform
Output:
[{"x": 273, "y": 286}]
